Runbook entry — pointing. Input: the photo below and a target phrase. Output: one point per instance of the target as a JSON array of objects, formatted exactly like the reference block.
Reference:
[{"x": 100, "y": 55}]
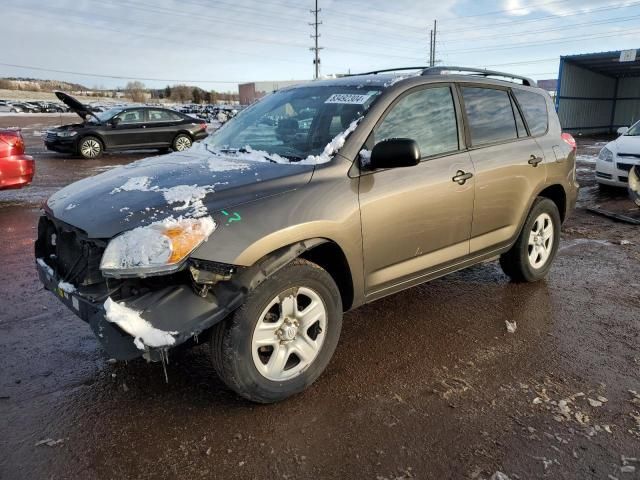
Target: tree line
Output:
[{"x": 137, "y": 92}]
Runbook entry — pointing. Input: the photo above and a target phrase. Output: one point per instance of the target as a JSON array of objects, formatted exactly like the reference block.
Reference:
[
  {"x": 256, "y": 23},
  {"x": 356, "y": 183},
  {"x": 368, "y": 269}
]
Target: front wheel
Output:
[
  {"x": 282, "y": 338},
  {"x": 90, "y": 148},
  {"x": 182, "y": 142},
  {"x": 530, "y": 258}
]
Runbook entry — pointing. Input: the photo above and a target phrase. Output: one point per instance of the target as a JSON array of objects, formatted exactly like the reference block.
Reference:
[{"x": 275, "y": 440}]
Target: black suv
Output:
[{"x": 123, "y": 128}]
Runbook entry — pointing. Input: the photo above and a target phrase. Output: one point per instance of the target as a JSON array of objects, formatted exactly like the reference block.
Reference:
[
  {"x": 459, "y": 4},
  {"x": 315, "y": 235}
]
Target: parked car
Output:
[
  {"x": 16, "y": 168},
  {"x": 634, "y": 184},
  {"x": 616, "y": 158},
  {"x": 123, "y": 128},
  {"x": 23, "y": 107},
  {"x": 259, "y": 238}
]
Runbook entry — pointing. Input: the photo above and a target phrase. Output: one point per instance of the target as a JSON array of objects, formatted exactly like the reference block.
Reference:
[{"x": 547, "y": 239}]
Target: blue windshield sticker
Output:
[{"x": 348, "y": 98}]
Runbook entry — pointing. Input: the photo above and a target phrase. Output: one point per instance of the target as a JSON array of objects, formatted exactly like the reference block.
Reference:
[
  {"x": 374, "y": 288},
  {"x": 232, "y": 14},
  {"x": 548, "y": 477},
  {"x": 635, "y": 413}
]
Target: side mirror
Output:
[
  {"x": 395, "y": 152},
  {"x": 623, "y": 130},
  {"x": 115, "y": 121}
]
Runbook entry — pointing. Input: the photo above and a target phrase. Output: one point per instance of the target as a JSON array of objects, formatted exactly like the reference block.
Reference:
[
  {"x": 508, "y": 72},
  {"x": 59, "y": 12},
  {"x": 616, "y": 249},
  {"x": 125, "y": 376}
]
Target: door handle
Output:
[
  {"x": 461, "y": 177},
  {"x": 534, "y": 161}
]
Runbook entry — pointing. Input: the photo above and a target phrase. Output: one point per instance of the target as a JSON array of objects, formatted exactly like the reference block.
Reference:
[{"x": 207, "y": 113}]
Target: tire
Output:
[
  {"x": 90, "y": 147},
  {"x": 182, "y": 142},
  {"x": 251, "y": 370},
  {"x": 530, "y": 258}
]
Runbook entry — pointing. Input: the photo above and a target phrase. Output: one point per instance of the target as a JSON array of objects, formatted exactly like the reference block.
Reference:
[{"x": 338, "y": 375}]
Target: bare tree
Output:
[
  {"x": 136, "y": 91},
  {"x": 181, "y": 93}
]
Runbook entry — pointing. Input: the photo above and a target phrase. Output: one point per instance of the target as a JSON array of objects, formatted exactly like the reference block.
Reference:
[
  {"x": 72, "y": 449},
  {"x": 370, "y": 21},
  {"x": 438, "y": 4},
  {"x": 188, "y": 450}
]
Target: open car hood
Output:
[
  {"x": 190, "y": 183},
  {"x": 82, "y": 110}
]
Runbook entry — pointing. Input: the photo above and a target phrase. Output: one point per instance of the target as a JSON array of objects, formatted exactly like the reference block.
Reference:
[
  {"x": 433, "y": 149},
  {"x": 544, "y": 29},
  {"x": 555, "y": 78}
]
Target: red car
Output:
[{"x": 16, "y": 168}]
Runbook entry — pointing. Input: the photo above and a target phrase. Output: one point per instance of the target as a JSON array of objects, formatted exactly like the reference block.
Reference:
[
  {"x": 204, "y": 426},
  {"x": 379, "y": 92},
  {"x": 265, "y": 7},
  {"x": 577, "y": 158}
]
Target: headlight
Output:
[
  {"x": 67, "y": 133},
  {"x": 158, "y": 248},
  {"x": 606, "y": 155}
]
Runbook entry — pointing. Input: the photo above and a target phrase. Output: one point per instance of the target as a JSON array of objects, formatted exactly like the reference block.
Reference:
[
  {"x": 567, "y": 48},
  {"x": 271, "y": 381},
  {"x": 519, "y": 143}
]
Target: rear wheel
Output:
[
  {"x": 90, "y": 147},
  {"x": 182, "y": 142},
  {"x": 282, "y": 338},
  {"x": 530, "y": 258}
]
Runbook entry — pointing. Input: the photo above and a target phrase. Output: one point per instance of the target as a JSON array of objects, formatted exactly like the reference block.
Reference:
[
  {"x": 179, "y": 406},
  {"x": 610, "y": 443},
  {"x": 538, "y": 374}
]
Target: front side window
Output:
[
  {"x": 427, "y": 116},
  {"x": 534, "y": 107},
  {"x": 489, "y": 114},
  {"x": 131, "y": 116}
]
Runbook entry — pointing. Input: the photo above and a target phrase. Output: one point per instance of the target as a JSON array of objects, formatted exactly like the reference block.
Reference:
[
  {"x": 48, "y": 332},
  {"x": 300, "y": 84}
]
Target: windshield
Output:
[
  {"x": 295, "y": 123},
  {"x": 634, "y": 131},
  {"x": 104, "y": 116}
]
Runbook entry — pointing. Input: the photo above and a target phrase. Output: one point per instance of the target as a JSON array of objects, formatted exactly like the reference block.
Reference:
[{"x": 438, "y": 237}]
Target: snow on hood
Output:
[{"x": 144, "y": 334}]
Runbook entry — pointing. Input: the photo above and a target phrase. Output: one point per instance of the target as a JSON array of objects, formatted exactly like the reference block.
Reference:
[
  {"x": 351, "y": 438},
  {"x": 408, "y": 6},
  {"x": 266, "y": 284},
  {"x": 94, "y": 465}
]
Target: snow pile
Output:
[
  {"x": 511, "y": 326},
  {"x": 401, "y": 77},
  {"x": 365, "y": 157},
  {"x": 142, "y": 184},
  {"x": 332, "y": 147},
  {"x": 189, "y": 196},
  {"x": 149, "y": 245},
  {"x": 46, "y": 267},
  {"x": 66, "y": 287},
  {"x": 144, "y": 334},
  {"x": 219, "y": 164},
  {"x": 249, "y": 153},
  {"x": 71, "y": 206}
]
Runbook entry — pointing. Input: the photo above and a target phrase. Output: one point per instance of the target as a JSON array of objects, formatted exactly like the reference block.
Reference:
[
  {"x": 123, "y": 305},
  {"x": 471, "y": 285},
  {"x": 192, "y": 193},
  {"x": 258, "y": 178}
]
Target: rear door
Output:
[
  {"x": 508, "y": 164},
  {"x": 416, "y": 218},
  {"x": 162, "y": 126}
]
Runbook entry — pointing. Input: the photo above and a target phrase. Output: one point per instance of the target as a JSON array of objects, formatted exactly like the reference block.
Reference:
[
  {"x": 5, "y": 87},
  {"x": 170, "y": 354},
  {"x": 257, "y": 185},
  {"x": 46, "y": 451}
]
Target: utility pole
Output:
[
  {"x": 433, "y": 50},
  {"x": 316, "y": 49}
]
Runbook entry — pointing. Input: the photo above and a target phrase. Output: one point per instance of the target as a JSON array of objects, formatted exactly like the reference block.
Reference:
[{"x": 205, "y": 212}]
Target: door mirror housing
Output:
[
  {"x": 395, "y": 152},
  {"x": 623, "y": 130}
]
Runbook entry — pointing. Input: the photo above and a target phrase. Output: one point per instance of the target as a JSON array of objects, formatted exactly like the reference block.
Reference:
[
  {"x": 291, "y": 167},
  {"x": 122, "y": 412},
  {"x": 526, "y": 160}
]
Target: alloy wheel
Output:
[
  {"x": 183, "y": 143},
  {"x": 90, "y": 148},
  {"x": 540, "y": 241},
  {"x": 289, "y": 334}
]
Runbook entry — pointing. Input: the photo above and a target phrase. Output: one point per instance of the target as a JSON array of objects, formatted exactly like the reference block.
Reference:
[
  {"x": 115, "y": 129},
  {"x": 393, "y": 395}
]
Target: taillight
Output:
[
  {"x": 570, "y": 141},
  {"x": 14, "y": 140},
  {"x": 203, "y": 126}
]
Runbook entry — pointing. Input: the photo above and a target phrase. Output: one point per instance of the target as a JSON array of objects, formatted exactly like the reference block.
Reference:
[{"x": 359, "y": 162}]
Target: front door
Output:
[
  {"x": 130, "y": 131},
  {"x": 417, "y": 218}
]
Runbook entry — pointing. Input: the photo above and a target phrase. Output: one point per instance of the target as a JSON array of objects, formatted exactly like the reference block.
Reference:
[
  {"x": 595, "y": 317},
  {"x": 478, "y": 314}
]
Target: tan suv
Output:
[{"x": 315, "y": 200}]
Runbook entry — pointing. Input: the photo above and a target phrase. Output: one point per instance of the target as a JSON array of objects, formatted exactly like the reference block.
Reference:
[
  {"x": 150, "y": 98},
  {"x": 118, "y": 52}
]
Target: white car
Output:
[{"x": 617, "y": 158}]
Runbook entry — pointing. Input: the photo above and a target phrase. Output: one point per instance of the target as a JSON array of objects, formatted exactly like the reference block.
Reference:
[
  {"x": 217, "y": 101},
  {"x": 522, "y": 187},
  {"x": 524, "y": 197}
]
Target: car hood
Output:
[
  {"x": 191, "y": 183},
  {"x": 627, "y": 144},
  {"x": 75, "y": 106}
]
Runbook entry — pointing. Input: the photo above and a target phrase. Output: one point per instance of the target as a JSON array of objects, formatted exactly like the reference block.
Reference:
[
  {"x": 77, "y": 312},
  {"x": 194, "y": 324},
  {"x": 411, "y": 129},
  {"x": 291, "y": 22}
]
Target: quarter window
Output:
[
  {"x": 427, "y": 116},
  {"x": 489, "y": 114},
  {"x": 534, "y": 107}
]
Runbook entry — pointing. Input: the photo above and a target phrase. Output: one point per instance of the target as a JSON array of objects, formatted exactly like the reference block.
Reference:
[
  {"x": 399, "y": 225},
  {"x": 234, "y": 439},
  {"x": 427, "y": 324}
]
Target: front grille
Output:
[
  {"x": 68, "y": 251},
  {"x": 624, "y": 166},
  {"x": 623, "y": 179},
  {"x": 629, "y": 155},
  {"x": 608, "y": 176},
  {"x": 50, "y": 137}
]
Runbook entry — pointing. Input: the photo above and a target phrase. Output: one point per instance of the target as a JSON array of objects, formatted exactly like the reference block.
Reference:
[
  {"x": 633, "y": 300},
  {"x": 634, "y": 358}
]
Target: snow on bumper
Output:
[{"x": 146, "y": 324}]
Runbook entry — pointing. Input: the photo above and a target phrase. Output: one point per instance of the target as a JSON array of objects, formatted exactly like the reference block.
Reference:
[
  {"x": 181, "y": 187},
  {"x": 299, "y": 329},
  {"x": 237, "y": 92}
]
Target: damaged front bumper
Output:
[{"x": 175, "y": 309}]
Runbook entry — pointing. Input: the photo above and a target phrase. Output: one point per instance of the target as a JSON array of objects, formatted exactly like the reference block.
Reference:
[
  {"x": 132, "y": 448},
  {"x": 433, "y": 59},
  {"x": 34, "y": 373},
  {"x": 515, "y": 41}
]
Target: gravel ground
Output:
[{"x": 427, "y": 383}]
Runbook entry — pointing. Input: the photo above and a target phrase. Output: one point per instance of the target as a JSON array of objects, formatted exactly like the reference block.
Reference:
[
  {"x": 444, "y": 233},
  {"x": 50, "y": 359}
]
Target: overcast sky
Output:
[{"x": 215, "y": 44}]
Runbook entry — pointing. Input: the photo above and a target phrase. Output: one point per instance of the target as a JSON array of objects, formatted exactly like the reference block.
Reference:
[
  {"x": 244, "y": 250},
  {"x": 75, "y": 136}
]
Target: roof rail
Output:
[
  {"x": 478, "y": 71},
  {"x": 387, "y": 70}
]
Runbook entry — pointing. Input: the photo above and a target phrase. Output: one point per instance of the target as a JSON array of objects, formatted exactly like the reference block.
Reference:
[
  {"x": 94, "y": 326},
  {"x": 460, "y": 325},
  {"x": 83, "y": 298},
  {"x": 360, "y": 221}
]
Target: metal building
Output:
[{"x": 599, "y": 92}]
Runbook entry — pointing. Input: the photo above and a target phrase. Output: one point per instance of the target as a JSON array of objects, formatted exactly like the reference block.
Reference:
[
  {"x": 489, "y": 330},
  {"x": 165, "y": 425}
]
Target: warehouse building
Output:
[
  {"x": 599, "y": 92},
  {"x": 252, "y": 92}
]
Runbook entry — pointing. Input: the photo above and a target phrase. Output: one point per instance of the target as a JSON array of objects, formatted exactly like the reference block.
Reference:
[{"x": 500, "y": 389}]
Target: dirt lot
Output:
[{"x": 424, "y": 384}]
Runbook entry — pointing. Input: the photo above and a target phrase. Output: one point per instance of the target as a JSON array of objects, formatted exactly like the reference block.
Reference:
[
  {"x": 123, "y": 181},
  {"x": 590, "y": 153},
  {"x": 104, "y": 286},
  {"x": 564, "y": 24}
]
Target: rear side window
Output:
[
  {"x": 427, "y": 116},
  {"x": 534, "y": 107},
  {"x": 163, "y": 116},
  {"x": 489, "y": 114}
]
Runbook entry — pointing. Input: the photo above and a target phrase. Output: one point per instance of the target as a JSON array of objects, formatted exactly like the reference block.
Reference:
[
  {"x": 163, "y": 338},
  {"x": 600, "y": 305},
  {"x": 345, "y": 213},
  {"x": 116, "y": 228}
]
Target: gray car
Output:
[{"x": 317, "y": 199}]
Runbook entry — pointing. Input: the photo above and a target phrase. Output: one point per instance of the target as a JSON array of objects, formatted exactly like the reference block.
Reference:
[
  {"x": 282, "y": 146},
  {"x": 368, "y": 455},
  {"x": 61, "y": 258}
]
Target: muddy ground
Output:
[{"x": 424, "y": 384}]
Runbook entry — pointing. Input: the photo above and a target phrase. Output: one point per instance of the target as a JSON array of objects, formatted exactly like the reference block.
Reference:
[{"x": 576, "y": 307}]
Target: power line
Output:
[{"x": 540, "y": 19}]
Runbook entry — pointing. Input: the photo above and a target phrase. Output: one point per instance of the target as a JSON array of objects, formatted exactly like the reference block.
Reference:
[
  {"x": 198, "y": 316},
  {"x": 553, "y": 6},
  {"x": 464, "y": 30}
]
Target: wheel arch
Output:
[{"x": 557, "y": 194}]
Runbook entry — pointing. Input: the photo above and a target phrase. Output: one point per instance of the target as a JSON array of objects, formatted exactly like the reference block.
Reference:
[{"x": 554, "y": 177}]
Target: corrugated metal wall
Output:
[
  {"x": 588, "y": 102},
  {"x": 585, "y": 99}
]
